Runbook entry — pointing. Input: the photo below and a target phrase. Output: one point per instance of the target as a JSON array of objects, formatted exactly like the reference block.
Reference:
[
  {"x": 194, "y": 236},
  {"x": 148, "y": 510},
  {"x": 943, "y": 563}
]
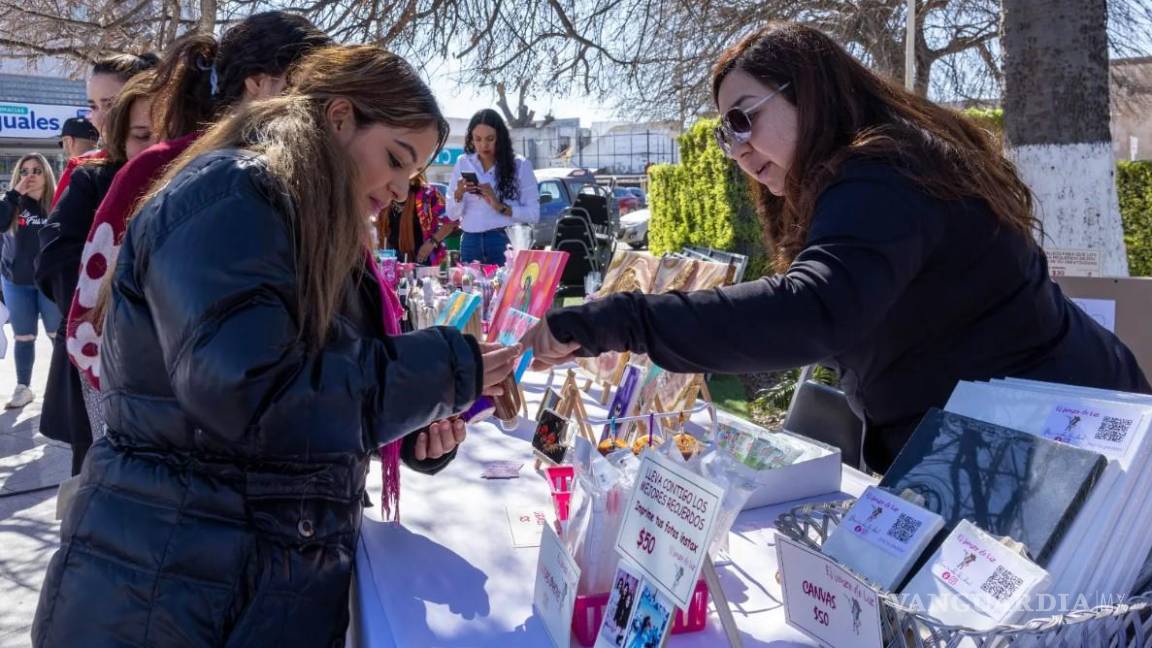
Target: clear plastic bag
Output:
[{"x": 598, "y": 509}]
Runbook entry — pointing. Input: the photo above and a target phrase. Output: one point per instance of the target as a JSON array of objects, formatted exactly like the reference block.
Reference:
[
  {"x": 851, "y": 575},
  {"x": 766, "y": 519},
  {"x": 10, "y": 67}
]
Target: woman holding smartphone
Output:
[{"x": 491, "y": 188}]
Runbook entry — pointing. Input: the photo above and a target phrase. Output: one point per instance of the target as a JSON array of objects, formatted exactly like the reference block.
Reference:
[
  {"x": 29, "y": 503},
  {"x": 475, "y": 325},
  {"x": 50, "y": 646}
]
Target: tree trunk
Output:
[
  {"x": 207, "y": 17},
  {"x": 1056, "y": 121}
]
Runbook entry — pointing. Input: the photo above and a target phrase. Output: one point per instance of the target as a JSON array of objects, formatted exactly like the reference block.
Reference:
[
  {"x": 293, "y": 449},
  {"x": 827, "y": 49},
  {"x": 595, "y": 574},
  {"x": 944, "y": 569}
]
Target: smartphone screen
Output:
[{"x": 469, "y": 177}]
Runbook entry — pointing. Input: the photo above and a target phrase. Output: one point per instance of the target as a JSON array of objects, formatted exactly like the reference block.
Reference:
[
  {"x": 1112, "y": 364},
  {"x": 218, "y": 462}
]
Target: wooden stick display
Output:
[
  {"x": 697, "y": 389},
  {"x": 720, "y": 600}
]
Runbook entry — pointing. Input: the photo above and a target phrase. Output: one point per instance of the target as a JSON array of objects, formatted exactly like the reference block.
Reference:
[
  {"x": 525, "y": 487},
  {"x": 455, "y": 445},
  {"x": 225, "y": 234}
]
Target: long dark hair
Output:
[
  {"x": 506, "y": 185},
  {"x": 124, "y": 66},
  {"x": 202, "y": 77},
  {"x": 315, "y": 172},
  {"x": 848, "y": 112}
]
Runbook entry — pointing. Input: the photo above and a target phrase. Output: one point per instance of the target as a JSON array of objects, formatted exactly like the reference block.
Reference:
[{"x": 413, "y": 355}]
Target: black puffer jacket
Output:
[{"x": 224, "y": 505}]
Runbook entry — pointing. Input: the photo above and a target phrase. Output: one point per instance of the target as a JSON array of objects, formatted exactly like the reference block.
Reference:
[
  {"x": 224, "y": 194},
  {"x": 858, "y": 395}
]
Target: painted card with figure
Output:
[{"x": 530, "y": 286}]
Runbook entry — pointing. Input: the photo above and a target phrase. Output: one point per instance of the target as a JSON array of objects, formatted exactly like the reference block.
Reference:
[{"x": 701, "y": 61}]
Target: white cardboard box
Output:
[{"x": 818, "y": 476}]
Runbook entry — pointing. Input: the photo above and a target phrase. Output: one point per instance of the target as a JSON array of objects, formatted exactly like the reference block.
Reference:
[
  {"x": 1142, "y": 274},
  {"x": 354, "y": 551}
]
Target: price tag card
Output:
[
  {"x": 890, "y": 523},
  {"x": 826, "y": 601},
  {"x": 1107, "y": 429},
  {"x": 986, "y": 573},
  {"x": 668, "y": 524},
  {"x": 557, "y": 575}
]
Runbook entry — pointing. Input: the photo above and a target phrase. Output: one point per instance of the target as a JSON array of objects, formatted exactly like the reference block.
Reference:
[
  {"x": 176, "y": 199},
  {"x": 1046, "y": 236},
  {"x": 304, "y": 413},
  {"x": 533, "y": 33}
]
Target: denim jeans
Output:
[
  {"x": 27, "y": 304},
  {"x": 485, "y": 247}
]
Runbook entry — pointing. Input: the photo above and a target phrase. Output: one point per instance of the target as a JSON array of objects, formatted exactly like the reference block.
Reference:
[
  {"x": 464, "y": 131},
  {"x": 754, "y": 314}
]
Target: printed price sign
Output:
[
  {"x": 1073, "y": 262},
  {"x": 1107, "y": 430},
  {"x": 668, "y": 525},
  {"x": 824, "y": 600},
  {"x": 557, "y": 575}
]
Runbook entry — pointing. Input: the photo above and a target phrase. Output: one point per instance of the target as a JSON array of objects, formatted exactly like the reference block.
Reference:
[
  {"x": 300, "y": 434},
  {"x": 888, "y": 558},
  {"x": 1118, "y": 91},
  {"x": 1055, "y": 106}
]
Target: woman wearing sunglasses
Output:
[
  {"x": 23, "y": 212},
  {"x": 905, "y": 245}
]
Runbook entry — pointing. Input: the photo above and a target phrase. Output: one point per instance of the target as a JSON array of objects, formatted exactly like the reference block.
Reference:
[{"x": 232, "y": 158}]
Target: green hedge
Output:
[
  {"x": 703, "y": 201},
  {"x": 1134, "y": 186}
]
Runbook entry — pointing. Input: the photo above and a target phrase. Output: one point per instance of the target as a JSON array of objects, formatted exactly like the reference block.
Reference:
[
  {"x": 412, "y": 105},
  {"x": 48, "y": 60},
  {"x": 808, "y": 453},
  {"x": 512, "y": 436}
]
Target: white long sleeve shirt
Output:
[{"x": 475, "y": 214}]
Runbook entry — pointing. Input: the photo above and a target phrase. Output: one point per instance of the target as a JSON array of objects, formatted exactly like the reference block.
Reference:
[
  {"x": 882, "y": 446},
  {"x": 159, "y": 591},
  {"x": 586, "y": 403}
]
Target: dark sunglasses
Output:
[
  {"x": 736, "y": 125},
  {"x": 33, "y": 171}
]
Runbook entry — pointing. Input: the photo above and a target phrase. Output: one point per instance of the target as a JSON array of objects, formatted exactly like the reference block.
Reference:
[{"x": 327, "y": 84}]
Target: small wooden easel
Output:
[{"x": 571, "y": 407}]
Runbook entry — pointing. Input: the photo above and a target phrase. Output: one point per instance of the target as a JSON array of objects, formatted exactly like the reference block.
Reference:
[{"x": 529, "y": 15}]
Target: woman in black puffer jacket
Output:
[{"x": 248, "y": 378}]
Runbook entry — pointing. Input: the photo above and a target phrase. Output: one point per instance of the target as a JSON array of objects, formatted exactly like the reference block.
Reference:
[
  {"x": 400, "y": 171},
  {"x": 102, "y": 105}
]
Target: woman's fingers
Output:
[
  {"x": 546, "y": 349},
  {"x": 436, "y": 440},
  {"x": 498, "y": 362},
  {"x": 421, "y": 450},
  {"x": 440, "y": 438}
]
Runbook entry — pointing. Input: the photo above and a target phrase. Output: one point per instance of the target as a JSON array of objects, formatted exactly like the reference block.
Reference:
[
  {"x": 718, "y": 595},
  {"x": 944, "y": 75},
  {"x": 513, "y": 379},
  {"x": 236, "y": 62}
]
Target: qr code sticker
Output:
[
  {"x": 1113, "y": 429},
  {"x": 1002, "y": 584},
  {"x": 904, "y": 528}
]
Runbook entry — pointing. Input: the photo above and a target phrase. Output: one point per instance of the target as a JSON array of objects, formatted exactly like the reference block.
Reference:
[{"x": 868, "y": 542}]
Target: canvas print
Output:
[
  {"x": 709, "y": 274},
  {"x": 629, "y": 271},
  {"x": 458, "y": 310},
  {"x": 549, "y": 402},
  {"x": 624, "y": 400},
  {"x": 674, "y": 273},
  {"x": 530, "y": 287},
  {"x": 550, "y": 439},
  {"x": 651, "y": 619}
]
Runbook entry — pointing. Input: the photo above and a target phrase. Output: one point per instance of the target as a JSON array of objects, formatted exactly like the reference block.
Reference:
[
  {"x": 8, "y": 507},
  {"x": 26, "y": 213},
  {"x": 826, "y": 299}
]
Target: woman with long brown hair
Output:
[
  {"x": 23, "y": 212},
  {"x": 904, "y": 245},
  {"x": 127, "y": 132},
  {"x": 415, "y": 228},
  {"x": 248, "y": 379}
]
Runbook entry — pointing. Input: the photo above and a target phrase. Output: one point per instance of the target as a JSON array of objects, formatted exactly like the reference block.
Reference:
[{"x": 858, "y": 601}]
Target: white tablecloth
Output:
[{"x": 449, "y": 575}]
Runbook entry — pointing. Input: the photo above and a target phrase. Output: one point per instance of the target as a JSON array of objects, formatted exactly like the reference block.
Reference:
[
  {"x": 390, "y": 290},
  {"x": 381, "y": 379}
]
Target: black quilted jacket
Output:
[{"x": 224, "y": 505}]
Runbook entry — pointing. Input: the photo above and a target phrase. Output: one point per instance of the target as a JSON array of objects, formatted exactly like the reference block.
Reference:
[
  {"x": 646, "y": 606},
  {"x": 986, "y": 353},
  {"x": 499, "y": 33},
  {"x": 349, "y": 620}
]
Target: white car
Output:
[{"x": 634, "y": 228}]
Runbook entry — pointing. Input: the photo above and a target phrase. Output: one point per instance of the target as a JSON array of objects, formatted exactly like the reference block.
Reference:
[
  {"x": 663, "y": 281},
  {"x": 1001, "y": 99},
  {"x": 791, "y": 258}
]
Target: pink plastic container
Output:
[
  {"x": 560, "y": 477},
  {"x": 589, "y": 614}
]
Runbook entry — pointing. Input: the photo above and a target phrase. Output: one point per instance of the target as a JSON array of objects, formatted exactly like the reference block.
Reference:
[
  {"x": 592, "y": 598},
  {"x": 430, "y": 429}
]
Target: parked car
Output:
[
  {"x": 639, "y": 193},
  {"x": 634, "y": 228},
  {"x": 559, "y": 188},
  {"x": 626, "y": 201}
]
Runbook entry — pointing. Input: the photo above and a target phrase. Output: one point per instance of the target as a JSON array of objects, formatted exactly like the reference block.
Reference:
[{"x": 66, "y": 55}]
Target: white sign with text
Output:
[
  {"x": 826, "y": 601},
  {"x": 557, "y": 576},
  {"x": 668, "y": 525},
  {"x": 1073, "y": 262}
]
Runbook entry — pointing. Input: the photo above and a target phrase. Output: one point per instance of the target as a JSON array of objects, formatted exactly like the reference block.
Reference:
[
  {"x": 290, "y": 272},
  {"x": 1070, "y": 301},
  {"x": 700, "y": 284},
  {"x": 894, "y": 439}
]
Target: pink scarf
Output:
[{"x": 389, "y": 454}]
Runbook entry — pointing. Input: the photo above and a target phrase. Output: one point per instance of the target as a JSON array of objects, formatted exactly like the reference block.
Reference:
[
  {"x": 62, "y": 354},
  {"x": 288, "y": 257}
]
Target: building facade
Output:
[{"x": 32, "y": 110}]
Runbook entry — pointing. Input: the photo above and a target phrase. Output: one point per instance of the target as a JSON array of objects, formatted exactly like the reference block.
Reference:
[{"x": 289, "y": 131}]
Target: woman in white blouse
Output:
[{"x": 491, "y": 188}]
